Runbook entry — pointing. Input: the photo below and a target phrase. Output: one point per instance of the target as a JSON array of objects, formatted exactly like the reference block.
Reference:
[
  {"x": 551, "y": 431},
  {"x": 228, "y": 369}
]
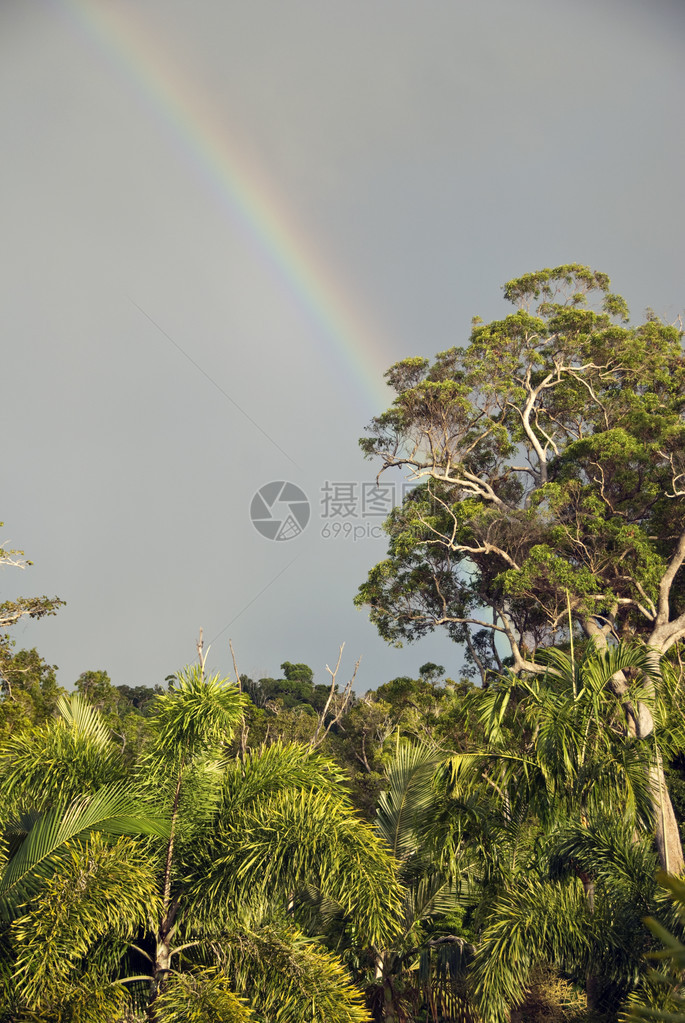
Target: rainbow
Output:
[{"x": 242, "y": 190}]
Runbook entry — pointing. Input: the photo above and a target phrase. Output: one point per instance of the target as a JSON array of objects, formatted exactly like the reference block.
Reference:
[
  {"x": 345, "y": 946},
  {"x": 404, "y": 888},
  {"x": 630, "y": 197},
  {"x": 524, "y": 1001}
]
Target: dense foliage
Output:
[
  {"x": 182, "y": 859},
  {"x": 283, "y": 850}
]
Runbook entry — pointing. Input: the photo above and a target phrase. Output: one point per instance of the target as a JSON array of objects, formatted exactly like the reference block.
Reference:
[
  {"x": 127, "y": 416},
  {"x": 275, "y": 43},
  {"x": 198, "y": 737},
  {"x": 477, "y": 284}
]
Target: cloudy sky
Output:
[{"x": 222, "y": 221}]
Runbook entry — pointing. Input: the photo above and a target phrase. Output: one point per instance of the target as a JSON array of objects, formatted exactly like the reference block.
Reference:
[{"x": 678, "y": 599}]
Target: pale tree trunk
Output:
[
  {"x": 640, "y": 723},
  {"x": 163, "y": 953},
  {"x": 667, "y": 832},
  {"x": 665, "y": 633},
  {"x": 668, "y": 841}
]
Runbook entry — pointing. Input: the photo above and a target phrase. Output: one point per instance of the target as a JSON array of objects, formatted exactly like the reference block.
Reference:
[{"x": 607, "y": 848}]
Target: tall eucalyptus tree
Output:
[{"x": 550, "y": 461}]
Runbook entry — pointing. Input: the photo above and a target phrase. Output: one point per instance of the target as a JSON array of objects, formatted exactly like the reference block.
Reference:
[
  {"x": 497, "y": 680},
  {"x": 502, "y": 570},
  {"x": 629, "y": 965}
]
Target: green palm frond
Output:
[
  {"x": 203, "y": 996},
  {"x": 645, "y": 1012},
  {"x": 531, "y": 922},
  {"x": 599, "y": 666},
  {"x": 276, "y": 768},
  {"x": 112, "y": 810},
  {"x": 288, "y": 977},
  {"x": 65, "y": 757},
  {"x": 617, "y": 782},
  {"x": 660, "y": 996},
  {"x": 90, "y": 999},
  {"x": 84, "y": 719},
  {"x": 315, "y": 912},
  {"x": 199, "y": 803},
  {"x": 100, "y": 889},
  {"x": 198, "y": 715},
  {"x": 621, "y": 865},
  {"x": 442, "y": 978},
  {"x": 296, "y": 837},
  {"x": 561, "y": 738},
  {"x": 480, "y": 834},
  {"x": 408, "y": 799},
  {"x": 465, "y": 770},
  {"x": 491, "y": 705},
  {"x": 432, "y": 896}
]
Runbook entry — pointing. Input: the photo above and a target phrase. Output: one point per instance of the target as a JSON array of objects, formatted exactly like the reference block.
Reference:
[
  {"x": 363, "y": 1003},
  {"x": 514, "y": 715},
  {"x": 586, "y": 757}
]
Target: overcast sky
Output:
[{"x": 221, "y": 221}]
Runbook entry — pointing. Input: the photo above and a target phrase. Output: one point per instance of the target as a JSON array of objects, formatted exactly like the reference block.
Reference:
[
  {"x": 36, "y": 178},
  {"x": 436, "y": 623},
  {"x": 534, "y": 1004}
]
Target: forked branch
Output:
[{"x": 338, "y": 701}]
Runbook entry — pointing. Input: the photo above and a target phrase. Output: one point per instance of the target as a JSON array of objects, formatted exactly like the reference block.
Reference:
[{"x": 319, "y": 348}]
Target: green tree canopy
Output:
[
  {"x": 549, "y": 455},
  {"x": 11, "y": 611}
]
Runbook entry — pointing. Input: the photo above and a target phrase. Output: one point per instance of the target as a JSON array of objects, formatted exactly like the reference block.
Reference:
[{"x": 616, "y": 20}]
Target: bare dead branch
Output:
[
  {"x": 339, "y": 705},
  {"x": 202, "y": 655},
  {"x": 235, "y": 666}
]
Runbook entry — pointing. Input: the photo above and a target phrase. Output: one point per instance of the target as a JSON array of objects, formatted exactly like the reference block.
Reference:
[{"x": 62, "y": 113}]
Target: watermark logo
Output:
[
  {"x": 348, "y": 510},
  {"x": 280, "y": 510}
]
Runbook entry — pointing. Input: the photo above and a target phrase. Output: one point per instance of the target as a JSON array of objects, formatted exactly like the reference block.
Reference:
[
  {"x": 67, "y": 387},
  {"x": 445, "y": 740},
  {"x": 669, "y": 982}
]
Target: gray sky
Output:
[{"x": 296, "y": 193}]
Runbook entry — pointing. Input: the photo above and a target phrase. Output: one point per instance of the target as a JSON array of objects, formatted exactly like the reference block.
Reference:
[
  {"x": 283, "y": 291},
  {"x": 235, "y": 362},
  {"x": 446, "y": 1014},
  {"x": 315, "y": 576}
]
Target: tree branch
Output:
[
  {"x": 663, "y": 608},
  {"x": 319, "y": 736}
]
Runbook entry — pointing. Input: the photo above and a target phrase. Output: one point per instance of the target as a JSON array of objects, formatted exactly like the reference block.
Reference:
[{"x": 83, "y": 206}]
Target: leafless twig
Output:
[
  {"x": 340, "y": 705},
  {"x": 202, "y": 655}
]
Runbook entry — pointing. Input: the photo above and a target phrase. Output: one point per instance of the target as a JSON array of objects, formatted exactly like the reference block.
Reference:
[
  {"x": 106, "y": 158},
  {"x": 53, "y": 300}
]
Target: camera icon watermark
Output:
[
  {"x": 280, "y": 510},
  {"x": 347, "y": 510}
]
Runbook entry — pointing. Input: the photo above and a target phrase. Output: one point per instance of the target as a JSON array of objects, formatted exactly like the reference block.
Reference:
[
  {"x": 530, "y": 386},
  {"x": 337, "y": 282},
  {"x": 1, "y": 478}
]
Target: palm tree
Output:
[
  {"x": 562, "y": 738},
  {"x": 424, "y": 964},
  {"x": 198, "y": 912},
  {"x": 558, "y": 804}
]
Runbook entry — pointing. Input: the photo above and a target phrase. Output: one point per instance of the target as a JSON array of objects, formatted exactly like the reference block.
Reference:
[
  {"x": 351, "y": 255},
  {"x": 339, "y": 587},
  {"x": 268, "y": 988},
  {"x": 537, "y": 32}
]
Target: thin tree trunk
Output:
[
  {"x": 668, "y": 839},
  {"x": 592, "y": 982},
  {"x": 166, "y": 928},
  {"x": 389, "y": 1009},
  {"x": 593, "y": 992},
  {"x": 667, "y": 832}
]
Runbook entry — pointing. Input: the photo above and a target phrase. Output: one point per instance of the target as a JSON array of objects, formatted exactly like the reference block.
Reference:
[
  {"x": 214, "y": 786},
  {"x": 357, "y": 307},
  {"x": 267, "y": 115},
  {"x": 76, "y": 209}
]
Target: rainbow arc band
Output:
[{"x": 134, "y": 53}]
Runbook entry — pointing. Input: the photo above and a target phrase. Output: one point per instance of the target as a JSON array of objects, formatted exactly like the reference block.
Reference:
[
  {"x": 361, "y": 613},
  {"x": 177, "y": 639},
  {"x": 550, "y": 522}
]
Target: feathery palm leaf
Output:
[
  {"x": 288, "y": 977},
  {"x": 563, "y": 736},
  {"x": 531, "y": 922},
  {"x": 198, "y": 715},
  {"x": 276, "y": 768},
  {"x": 607, "y": 851},
  {"x": 84, "y": 719},
  {"x": 203, "y": 996},
  {"x": 409, "y": 798},
  {"x": 67, "y": 756},
  {"x": 433, "y": 895},
  {"x": 101, "y": 889},
  {"x": 112, "y": 810},
  {"x": 90, "y": 999},
  {"x": 294, "y": 837},
  {"x": 285, "y": 823},
  {"x": 660, "y": 998}
]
